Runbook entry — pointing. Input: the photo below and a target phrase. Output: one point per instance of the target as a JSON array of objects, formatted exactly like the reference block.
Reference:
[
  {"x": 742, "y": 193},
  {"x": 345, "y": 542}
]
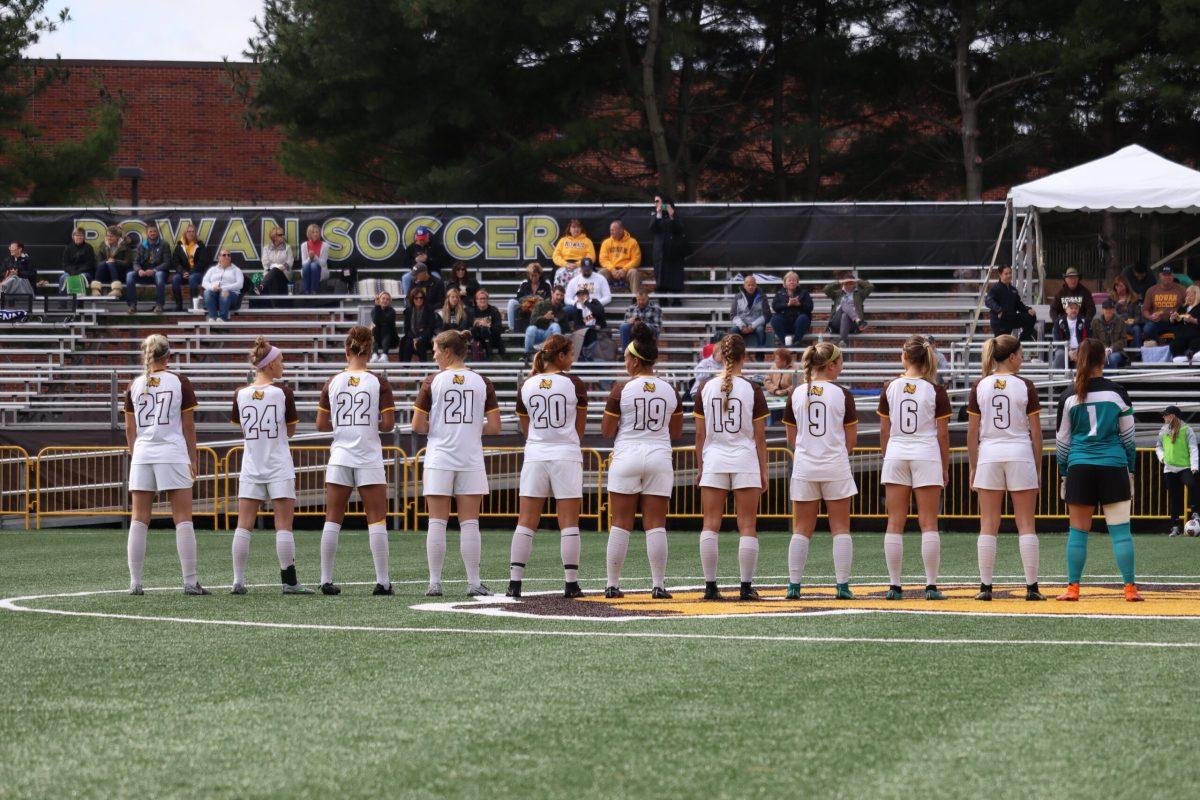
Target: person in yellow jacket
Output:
[
  {"x": 620, "y": 257},
  {"x": 570, "y": 250}
]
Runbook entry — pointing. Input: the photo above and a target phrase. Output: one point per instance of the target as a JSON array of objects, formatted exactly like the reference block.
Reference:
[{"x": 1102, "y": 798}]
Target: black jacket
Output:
[
  {"x": 1004, "y": 303},
  {"x": 467, "y": 292},
  {"x": 79, "y": 259},
  {"x": 384, "y": 318},
  {"x": 780, "y": 302},
  {"x": 437, "y": 259},
  {"x": 492, "y": 313},
  {"x": 435, "y": 292},
  {"x": 422, "y": 325},
  {"x": 1061, "y": 334},
  {"x": 526, "y": 289},
  {"x": 200, "y": 261},
  {"x": 669, "y": 250},
  {"x": 23, "y": 266},
  {"x": 597, "y": 312},
  {"x": 152, "y": 256}
]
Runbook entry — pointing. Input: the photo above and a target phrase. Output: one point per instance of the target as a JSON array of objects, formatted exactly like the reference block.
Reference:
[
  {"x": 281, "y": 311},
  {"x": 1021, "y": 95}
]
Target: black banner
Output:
[{"x": 739, "y": 236}]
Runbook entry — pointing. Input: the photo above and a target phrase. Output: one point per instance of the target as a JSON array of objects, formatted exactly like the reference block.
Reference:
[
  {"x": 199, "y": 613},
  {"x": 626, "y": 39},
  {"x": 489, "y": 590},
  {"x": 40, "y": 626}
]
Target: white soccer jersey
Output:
[
  {"x": 264, "y": 413},
  {"x": 551, "y": 401},
  {"x": 157, "y": 402},
  {"x": 355, "y": 401},
  {"x": 644, "y": 407},
  {"x": 729, "y": 444},
  {"x": 820, "y": 413},
  {"x": 1004, "y": 404},
  {"x": 912, "y": 407},
  {"x": 456, "y": 402}
]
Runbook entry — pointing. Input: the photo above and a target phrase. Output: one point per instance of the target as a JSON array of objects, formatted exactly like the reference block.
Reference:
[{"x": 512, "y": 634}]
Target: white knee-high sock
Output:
[
  {"x": 329, "y": 548},
  {"x": 656, "y": 552},
  {"x": 241, "y": 554},
  {"x": 843, "y": 557},
  {"x": 379, "y": 552},
  {"x": 709, "y": 555},
  {"x": 797, "y": 557},
  {"x": 893, "y": 554},
  {"x": 618, "y": 546},
  {"x": 747, "y": 557},
  {"x": 568, "y": 548},
  {"x": 285, "y": 549},
  {"x": 185, "y": 545},
  {"x": 518, "y": 553},
  {"x": 135, "y": 550},
  {"x": 435, "y": 549},
  {"x": 1028, "y": 544},
  {"x": 470, "y": 547},
  {"x": 931, "y": 555},
  {"x": 985, "y": 548}
]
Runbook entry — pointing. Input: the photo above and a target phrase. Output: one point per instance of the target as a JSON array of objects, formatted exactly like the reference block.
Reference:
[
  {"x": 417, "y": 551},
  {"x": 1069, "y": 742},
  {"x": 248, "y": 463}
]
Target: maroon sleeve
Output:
[
  {"x": 189, "y": 394},
  {"x": 678, "y": 402},
  {"x": 424, "y": 401},
  {"x": 884, "y": 409},
  {"x": 973, "y": 399},
  {"x": 235, "y": 415},
  {"x": 386, "y": 401},
  {"x": 290, "y": 414},
  {"x": 129, "y": 400},
  {"x": 1034, "y": 404},
  {"x": 612, "y": 406},
  {"x": 941, "y": 406},
  {"x": 760, "y": 404},
  {"x": 581, "y": 392},
  {"x": 789, "y": 414},
  {"x": 850, "y": 414},
  {"x": 522, "y": 411},
  {"x": 323, "y": 403},
  {"x": 490, "y": 403},
  {"x": 698, "y": 409}
]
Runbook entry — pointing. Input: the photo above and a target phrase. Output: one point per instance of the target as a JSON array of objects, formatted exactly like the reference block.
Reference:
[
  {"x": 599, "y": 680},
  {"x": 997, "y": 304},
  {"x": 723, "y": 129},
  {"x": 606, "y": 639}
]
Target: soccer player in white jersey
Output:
[
  {"x": 552, "y": 412},
  {"x": 914, "y": 434},
  {"x": 1004, "y": 442},
  {"x": 644, "y": 414},
  {"x": 731, "y": 447},
  {"x": 266, "y": 412},
  {"x": 822, "y": 425},
  {"x": 356, "y": 406},
  {"x": 456, "y": 407},
  {"x": 161, "y": 434}
]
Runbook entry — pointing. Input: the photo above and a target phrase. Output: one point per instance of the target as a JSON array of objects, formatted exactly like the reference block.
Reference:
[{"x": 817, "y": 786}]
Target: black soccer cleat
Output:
[
  {"x": 612, "y": 593},
  {"x": 985, "y": 592},
  {"x": 748, "y": 592},
  {"x": 1033, "y": 593},
  {"x": 330, "y": 589},
  {"x": 288, "y": 576},
  {"x": 711, "y": 592},
  {"x": 571, "y": 589},
  {"x": 659, "y": 593},
  {"x": 383, "y": 591},
  {"x": 514, "y": 589}
]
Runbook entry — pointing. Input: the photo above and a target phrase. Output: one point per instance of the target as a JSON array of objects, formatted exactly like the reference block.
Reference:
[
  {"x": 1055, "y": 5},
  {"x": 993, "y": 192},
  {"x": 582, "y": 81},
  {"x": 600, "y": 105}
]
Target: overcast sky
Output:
[{"x": 150, "y": 30}]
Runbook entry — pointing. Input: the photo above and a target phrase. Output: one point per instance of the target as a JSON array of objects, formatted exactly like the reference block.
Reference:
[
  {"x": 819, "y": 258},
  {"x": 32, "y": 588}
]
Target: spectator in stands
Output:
[
  {"x": 644, "y": 309},
  {"x": 670, "y": 248},
  {"x": 460, "y": 278},
  {"x": 532, "y": 291},
  {"x": 587, "y": 321},
  {"x": 420, "y": 326},
  {"x": 620, "y": 257},
  {"x": 18, "y": 260},
  {"x": 454, "y": 312},
  {"x": 277, "y": 261},
  {"x": 223, "y": 286},
  {"x": 1006, "y": 311},
  {"x": 113, "y": 263},
  {"x": 79, "y": 258},
  {"x": 571, "y": 250},
  {"x": 1162, "y": 301},
  {"x": 1186, "y": 327},
  {"x": 424, "y": 250},
  {"x": 151, "y": 263},
  {"x": 848, "y": 295},
  {"x": 187, "y": 262},
  {"x": 383, "y": 327},
  {"x": 1070, "y": 329},
  {"x": 1128, "y": 307},
  {"x": 549, "y": 316},
  {"x": 487, "y": 326},
  {"x": 435, "y": 290},
  {"x": 778, "y": 383},
  {"x": 12, "y": 284},
  {"x": 792, "y": 307},
  {"x": 1139, "y": 279},
  {"x": 1073, "y": 289},
  {"x": 748, "y": 312},
  {"x": 705, "y": 368},
  {"x": 1109, "y": 329},
  {"x": 314, "y": 261},
  {"x": 939, "y": 360},
  {"x": 1180, "y": 458},
  {"x": 595, "y": 283}
]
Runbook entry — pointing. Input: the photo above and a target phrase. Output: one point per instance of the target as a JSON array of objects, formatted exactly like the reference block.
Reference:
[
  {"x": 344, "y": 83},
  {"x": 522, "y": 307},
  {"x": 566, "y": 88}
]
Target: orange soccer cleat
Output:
[
  {"x": 1071, "y": 594},
  {"x": 1131, "y": 593}
]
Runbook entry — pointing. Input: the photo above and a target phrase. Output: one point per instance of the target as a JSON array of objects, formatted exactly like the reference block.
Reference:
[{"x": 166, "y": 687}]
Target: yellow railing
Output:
[{"x": 14, "y": 482}]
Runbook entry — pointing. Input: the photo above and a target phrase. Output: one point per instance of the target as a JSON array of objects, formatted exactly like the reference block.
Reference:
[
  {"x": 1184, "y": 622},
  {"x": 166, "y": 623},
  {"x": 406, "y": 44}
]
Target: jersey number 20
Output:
[{"x": 548, "y": 410}]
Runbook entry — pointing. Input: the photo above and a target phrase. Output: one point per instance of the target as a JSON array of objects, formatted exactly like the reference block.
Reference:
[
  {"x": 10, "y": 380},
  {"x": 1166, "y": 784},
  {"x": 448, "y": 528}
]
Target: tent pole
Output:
[
  {"x": 983, "y": 285},
  {"x": 1174, "y": 253}
]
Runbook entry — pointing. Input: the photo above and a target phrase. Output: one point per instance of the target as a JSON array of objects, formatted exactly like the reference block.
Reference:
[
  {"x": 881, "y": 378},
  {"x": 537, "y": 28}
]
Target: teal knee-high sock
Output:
[
  {"x": 1076, "y": 554},
  {"x": 1122, "y": 542}
]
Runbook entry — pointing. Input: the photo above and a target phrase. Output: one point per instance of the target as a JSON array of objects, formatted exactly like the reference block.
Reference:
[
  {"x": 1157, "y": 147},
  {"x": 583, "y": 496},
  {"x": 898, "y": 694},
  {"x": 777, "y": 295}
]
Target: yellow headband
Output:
[
  {"x": 632, "y": 348},
  {"x": 837, "y": 353}
]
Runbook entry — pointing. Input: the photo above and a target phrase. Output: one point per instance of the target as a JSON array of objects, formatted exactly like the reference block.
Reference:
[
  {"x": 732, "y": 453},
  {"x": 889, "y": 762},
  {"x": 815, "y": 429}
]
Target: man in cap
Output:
[
  {"x": 1072, "y": 289},
  {"x": 1163, "y": 300},
  {"x": 423, "y": 250},
  {"x": 1109, "y": 329}
]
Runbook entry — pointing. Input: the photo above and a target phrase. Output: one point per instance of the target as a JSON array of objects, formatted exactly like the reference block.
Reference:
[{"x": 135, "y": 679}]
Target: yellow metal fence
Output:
[{"x": 93, "y": 482}]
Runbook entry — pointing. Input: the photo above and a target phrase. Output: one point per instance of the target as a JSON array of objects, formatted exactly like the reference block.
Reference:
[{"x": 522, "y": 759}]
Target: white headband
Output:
[{"x": 271, "y": 355}]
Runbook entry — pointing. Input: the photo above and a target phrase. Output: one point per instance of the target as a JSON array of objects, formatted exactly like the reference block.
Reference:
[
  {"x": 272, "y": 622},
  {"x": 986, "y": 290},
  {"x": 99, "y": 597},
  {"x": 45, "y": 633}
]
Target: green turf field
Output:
[{"x": 903, "y": 705}]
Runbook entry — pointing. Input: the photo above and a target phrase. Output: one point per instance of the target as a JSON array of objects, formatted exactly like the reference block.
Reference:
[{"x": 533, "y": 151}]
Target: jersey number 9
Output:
[{"x": 817, "y": 414}]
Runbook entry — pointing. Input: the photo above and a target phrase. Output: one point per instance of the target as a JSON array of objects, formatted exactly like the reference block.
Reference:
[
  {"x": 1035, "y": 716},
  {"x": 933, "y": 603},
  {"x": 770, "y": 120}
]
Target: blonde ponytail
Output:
[
  {"x": 154, "y": 349},
  {"x": 918, "y": 354},
  {"x": 997, "y": 349},
  {"x": 733, "y": 352}
]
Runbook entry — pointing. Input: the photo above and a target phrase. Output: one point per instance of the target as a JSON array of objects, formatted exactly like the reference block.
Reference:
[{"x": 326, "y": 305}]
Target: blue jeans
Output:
[
  {"x": 1115, "y": 360},
  {"x": 534, "y": 335},
  {"x": 627, "y": 335},
  {"x": 195, "y": 278},
  {"x": 220, "y": 304},
  {"x": 1135, "y": 330},
  {"x": 407, "y": 280},
  {"x": 797, "y": 327},
  {"x": 513, "y": 306},
  {"x": 760, "y": 335},
  {"x": 159, "y": 279},
  {"x": 310, "y": 277},
  {"x": 1153, "y": 330},
  {"x": 109, "y": 273}
]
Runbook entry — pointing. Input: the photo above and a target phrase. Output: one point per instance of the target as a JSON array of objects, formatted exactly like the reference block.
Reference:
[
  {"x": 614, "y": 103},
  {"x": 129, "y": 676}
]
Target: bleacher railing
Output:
[{"x": 91, "y": 483}]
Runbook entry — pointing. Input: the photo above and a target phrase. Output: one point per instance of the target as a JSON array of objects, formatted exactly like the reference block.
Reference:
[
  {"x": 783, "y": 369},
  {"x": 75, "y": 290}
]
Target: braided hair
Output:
[{"x": 732, "y": 352}]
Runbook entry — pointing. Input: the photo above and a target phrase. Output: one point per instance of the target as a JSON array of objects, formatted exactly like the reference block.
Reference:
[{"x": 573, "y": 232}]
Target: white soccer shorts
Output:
[
  {"x": 562, "y": 480},
  {"x": 159, "y": 477},
  {"x": 453, "y": 482},
  {"x": 806, "y": 490},
  {"x": 1013, "y": 476},
  {"x": 911, "y": 472},
  {"x": 355, "y": 476},
  {"x": 642, "y": 473},
  {"x": 269, "y": 490},
  {"x": 731, "y": 480}
]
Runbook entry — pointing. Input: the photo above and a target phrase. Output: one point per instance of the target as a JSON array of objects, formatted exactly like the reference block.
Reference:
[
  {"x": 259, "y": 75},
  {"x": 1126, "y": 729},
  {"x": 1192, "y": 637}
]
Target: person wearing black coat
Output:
[
  {"x": 460, "y": 278},
  {"x": 487, "y": 326},
  {"x": 1006, "y": 311},
  {"x": 383, "y": 326},
  {"x": 420, "y": 326},
  {"x": 435, "y": 290},
  {"x": 424, "y": 250},
  {"x": 669, "y": 250},
  {"x": 78, "y": 259},
  {"x": 18, "y": 260},
  {"x": 792, "y": 309},
  {"x": 189, "y": 262}
]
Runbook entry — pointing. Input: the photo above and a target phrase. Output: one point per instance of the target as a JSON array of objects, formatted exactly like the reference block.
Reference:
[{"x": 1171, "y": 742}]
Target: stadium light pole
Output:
[{"x": 134, "y": 174}]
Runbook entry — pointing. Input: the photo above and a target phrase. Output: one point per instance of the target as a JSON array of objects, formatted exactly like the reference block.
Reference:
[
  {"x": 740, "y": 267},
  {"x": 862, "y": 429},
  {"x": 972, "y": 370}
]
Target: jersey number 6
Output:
[{"x": 908, "y": 416}]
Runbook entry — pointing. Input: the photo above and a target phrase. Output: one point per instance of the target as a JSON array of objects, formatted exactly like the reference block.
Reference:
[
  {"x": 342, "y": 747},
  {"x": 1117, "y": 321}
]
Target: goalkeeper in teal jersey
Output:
[{"x": 1096, "y": 453}]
